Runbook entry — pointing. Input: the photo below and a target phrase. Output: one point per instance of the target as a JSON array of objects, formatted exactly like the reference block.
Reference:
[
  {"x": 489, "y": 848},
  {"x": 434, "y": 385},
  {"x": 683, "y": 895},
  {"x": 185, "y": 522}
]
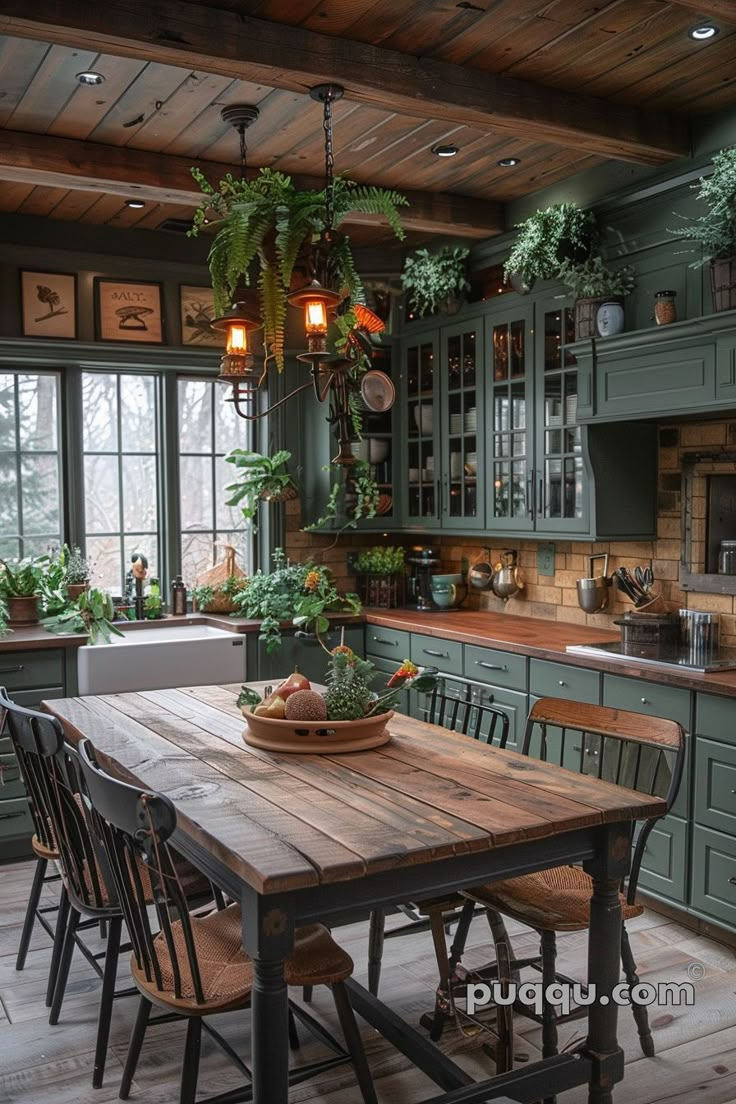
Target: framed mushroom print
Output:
[
  {"x": 196, "y": 311},
  {"x": 129, "y": 311},
  {"x": 49, "y": 304}
]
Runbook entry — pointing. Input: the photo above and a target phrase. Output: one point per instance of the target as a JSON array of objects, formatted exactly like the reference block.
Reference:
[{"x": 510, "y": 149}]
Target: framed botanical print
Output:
[
  {"x": 129, "y": 311},
  {"x": 49, "y": 304},
  {"x": 196, "y": 311}
]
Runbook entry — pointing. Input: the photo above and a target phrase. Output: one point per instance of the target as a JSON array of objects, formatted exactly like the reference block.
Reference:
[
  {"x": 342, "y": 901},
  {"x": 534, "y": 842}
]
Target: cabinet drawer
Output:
[
  {"x": 650, "y": 698},
  {"x": 715, "y": 717},
  {"x": 31, "y": 699},
  {"x": 559, "y": 680},
  {"x": 446, "y": 655},
  {"x": 11, "y": 781},
  {"x": 713, "y": 890},
  {"x": 715, "y": 785},
  {"x": 390, "y": 643},
  {"x": 513, "y": 704},
  {"x": 15, "y": 818},
  {"x": 385, "y": 668},
  {"x": 24, "y": 670},
  {"x": 664, "y": 862},
  {"x": 500, "y": 668}
]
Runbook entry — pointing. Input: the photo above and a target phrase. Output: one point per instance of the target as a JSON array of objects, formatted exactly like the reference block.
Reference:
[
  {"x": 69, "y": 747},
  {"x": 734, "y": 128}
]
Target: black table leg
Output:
[
  {"x": 604, "y": 961},
  {"x": 268, "y": 937}
]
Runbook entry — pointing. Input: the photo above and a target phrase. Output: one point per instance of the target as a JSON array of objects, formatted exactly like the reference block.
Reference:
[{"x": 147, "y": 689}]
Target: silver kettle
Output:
[{"x": 506, "y": 579}]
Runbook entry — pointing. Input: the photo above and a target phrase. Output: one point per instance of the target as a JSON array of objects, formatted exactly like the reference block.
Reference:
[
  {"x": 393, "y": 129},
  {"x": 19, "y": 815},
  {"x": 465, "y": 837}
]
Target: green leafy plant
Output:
[
  {"x": 354, "y": 495},
  {"x": 434, "y": 279},
  {"x": 263, "y": 479},
  {"x": 549, "y": 237},
  {"x": 24, "y": 579},
  {"x": 3, "y": 617},
  {"x": 381, "y": 560},
  {"x": 153, "y": 604},
  {"x": 300, "y": 593},
  {"x": 203, "y": 596},
  {"x": 77, "y": 569},
  {"x": 264, "y": 228},
  {"x": 592, "y": 279},
  {"x": 715, "y": 231},
  {"x": 207, "y": 594},
  {"x": 92, "y": 613}
]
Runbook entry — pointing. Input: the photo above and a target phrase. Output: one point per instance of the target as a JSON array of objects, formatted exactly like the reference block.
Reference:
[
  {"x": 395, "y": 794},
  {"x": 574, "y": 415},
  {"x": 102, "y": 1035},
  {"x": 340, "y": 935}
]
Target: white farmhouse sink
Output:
[{"x": 161, "y": 657}]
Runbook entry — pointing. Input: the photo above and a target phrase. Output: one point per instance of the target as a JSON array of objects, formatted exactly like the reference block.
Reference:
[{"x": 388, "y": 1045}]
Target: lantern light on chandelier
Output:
[{"x": 237, "y": 362}]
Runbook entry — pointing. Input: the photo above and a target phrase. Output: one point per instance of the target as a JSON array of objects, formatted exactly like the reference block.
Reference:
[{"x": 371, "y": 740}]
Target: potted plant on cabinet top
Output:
[
  {"x": 599, "y": 293},
  {"x": 436, "y": 281},
  {"x": 548, "y": 238},
  {"x": 20, "y": 587},
  {"x": 76, "y": 572},
  {"x": 715, "y": 231}
]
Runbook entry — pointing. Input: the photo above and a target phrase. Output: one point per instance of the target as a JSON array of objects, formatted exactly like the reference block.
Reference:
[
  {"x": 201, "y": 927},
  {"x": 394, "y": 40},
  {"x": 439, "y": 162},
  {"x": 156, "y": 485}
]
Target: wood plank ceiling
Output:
[{"x": 628, "y": 52}]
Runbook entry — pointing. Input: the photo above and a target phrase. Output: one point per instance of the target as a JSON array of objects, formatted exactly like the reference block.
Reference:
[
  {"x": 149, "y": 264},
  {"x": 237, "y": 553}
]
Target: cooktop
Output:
[{"x": 722, "y": 659}]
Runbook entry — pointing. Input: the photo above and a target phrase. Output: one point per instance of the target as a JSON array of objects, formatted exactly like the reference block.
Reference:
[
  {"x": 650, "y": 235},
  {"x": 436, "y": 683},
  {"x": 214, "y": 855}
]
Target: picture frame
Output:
[
  {"x": 196, "y": 311},
  {"x": 48, "y": 304},
  {"x": 129, "y": 310}
]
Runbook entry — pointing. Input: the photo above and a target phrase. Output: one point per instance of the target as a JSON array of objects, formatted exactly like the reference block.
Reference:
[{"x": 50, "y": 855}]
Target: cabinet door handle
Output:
[
  {"x": 588, "y": 751},
  {"x": 437, "y": 655},
  {"x": 645, "y": 701},
  {"x": 12, "y": 816},
  {"x": 12, "y": 670},
  {"x": 491, "y": 666},
  {"x": 438, "y": 503},
  {"x": 732, "y": 881},
  {"x": 383, "y": 640},
  {"x": 540, "y": 497},
  {"x": 530, "y": 495},
  {"x": 6, "y": 775}
]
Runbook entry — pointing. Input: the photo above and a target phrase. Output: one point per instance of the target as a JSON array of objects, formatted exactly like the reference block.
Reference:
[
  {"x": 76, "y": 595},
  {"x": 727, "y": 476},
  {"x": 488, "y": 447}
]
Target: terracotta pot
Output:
[
  {"x": 23, "y": 611},
  {"x": 316, "y": 737},
  {"x": 75, "y": 590},
  {"x": 723, "y": 283}
]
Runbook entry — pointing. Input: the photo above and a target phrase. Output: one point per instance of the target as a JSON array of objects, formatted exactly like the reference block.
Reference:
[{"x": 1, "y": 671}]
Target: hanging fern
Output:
[{"x": 265, "y": 223}]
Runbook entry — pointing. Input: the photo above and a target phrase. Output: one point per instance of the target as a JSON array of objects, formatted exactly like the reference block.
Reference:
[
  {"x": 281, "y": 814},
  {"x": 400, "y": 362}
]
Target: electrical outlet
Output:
[{"x": 545, "y": 559}]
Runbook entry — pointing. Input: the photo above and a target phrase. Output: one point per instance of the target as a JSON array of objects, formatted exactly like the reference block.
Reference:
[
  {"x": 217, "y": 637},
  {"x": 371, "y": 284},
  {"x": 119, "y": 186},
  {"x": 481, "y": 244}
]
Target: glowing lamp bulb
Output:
[
  {"x": 237, "y": 339},
  {"x": 315, "y": 316}
]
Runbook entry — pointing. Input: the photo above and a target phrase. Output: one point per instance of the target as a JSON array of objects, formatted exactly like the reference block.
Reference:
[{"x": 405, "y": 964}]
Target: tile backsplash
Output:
[{"x": 554, "y": 596}]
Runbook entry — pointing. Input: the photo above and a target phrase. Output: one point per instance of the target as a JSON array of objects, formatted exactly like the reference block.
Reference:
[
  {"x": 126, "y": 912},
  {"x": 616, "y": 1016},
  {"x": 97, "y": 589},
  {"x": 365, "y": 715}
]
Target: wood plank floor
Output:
[{"x": 696, "y": 1046}]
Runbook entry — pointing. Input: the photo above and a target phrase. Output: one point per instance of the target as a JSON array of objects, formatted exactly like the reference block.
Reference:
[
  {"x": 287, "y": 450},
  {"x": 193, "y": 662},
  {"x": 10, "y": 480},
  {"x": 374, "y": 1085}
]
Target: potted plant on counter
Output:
[
  {"x": 77, "y": 572},
  {"x": 548, "y": 238},
  {"x": 21, "y": 586},
  {"x": 599, "y": 294},
  {"x": 92, "y": 613},
  {"x": 382, "y": 571},
  {"x": 715, "y": 231},
  {"x": 436, "y": 281}
]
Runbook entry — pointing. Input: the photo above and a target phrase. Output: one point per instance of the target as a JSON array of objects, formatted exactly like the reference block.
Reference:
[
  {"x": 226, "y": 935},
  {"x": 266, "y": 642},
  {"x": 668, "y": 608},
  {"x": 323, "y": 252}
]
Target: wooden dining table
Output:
[{"x": 304, "y": 838}]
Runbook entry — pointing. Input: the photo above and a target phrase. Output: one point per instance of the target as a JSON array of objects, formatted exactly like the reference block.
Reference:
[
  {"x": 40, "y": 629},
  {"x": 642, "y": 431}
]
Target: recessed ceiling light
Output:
[
  {"x": 703, "y": 32},
  {"x": 445, "y": 151},
  {"x": 90, "y": 77},
  {"x": 509, "y": 162},
  {"x": 135, "y": 204}
]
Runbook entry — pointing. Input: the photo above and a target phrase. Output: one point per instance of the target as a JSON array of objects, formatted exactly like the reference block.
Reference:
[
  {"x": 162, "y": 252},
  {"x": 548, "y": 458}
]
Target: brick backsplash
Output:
[{"x": 555, "y": 597}]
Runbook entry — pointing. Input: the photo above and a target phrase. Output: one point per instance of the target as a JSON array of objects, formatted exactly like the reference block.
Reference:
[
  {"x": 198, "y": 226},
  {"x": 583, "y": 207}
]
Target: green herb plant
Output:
[
  {"x": 263, "y": 478},
  {"x": 92, "y": 613},
  {"x": 549, "y": 237},
  {"x": 434, "y": 279},
  {"x": 24, "y": 578},
  {"x": 77, "y": 568},
  {"x": 381, "y": 560},
  {"x": 714, "y": 231},
  {"x": 264, "y": 228},
  {"x": 592, "y": 279}
]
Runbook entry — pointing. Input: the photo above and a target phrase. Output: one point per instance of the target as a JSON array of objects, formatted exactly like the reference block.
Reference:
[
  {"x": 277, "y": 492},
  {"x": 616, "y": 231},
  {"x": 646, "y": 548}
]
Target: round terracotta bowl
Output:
[{"x": 316, "y": 737}]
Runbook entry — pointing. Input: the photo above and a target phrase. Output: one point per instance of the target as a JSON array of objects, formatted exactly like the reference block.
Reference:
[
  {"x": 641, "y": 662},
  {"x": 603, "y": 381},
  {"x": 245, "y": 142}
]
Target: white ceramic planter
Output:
[{"x": 609, "y": 319}]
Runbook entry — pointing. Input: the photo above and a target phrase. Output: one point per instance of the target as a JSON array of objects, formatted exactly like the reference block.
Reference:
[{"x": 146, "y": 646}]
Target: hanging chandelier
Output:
[{"x": 334, "y": 376}]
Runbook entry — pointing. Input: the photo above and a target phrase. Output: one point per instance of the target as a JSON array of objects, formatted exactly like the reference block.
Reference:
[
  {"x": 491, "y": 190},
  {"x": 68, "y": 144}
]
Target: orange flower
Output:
[{"x": 312, "y": 580}]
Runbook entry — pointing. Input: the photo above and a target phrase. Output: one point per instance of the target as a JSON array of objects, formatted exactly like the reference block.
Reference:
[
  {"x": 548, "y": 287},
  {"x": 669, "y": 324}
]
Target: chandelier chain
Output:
[
  {"x": 243, "y": 151},
  {"x": 329, "y": 164}
]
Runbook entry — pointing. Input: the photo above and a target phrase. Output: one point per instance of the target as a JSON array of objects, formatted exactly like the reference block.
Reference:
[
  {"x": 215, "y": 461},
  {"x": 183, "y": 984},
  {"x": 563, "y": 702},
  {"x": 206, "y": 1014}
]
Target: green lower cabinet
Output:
[
  {"x": 559, "y": 680},
  {"x": 713, "y": 890},
  {"x": 664, "y": 862},
  {"x": 431, "y": 651},
  {"x": 715, "y": 785},
  {"x": 304, "y": 652},
  {"x": 514, "y": 704}
]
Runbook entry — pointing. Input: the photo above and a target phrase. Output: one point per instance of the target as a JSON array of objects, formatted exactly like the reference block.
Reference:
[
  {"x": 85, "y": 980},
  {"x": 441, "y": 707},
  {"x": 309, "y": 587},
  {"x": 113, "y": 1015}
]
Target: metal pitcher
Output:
[
  {"x": 506, "y": 580},
  {"x": 594, "y": 590}
]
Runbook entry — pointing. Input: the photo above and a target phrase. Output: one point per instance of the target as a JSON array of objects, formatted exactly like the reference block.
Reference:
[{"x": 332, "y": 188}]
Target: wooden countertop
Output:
[
  {"x": 542, "y": 639},
  {"x": 26, "y": 638}
]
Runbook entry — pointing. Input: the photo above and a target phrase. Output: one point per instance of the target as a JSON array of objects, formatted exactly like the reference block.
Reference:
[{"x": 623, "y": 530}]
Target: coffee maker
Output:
[{"x": 423, "y": 560}]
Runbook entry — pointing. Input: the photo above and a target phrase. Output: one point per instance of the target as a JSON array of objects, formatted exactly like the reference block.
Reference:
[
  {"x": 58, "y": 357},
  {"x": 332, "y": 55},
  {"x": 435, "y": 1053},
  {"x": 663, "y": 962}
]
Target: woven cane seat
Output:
[
  {"x": 549, "y": 900},
  {"x": 226, "y": 971}
]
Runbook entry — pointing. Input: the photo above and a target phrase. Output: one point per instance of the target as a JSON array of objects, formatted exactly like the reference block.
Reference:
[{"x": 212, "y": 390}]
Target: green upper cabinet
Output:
[
  {"x": 420, "y": 421},
  {"x": 509, "y": 475},
  {"x": 462, "y": 429}
]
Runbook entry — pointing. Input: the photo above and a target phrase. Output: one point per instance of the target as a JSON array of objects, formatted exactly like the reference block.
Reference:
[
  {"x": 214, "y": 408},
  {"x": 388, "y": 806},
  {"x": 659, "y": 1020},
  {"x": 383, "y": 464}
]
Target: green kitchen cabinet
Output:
[
  {"x": 510, "y": 486},
  {"x": 713, "y": 888},
  {"x": 462, "y": 425},
  {"x": 419, "y": 420},
  {"x": 664, "y": 863}
]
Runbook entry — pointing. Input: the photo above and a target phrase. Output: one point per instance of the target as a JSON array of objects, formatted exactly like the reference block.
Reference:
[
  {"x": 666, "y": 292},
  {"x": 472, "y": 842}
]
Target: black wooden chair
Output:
[
  {"x": 189, "y": 965},
  {"x": 628, "y": 749}
]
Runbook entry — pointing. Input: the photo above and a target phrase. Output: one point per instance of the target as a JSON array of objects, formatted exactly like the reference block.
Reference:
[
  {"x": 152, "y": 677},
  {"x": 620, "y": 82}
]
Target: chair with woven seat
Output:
[
  {"x": 637, "y": 752},
  {"x": 194, "y": 966}
]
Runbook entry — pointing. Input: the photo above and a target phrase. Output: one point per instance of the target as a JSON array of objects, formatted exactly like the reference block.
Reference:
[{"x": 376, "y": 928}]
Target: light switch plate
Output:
[{"x": 545, "y": 559}]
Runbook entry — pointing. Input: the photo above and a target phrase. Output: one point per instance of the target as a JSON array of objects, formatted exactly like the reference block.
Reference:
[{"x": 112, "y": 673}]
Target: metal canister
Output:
[
  {"x": 727, "y": 557},
  {"x": 700, "y": 632}
]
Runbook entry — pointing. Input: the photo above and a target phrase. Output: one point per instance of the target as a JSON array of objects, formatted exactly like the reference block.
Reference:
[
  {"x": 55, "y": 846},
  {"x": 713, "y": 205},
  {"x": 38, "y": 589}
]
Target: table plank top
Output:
[{"x": 283, "y": 822}]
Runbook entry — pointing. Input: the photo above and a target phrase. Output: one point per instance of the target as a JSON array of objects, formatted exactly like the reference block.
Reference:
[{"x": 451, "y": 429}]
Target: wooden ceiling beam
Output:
[
  {"x": 711, "y": 9},
  {"x": 240, "y": 47},
  {"x": 161, "y": 178}
]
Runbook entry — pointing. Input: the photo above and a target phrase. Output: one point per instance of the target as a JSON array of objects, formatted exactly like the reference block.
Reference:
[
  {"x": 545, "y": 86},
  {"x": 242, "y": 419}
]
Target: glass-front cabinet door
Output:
[
  {"x": 560, "y": 484},
  {"x": 509, "y": 477},
  {"x": 462, "y": 409},
  {"x": 420, "y": 395}
]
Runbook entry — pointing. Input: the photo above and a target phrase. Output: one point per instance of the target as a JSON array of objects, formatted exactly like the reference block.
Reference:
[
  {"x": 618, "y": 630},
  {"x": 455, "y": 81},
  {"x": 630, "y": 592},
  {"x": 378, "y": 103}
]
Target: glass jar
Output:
[
  {"x": 727, "y": 557},
  {"x": 665, "y": 308}
]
